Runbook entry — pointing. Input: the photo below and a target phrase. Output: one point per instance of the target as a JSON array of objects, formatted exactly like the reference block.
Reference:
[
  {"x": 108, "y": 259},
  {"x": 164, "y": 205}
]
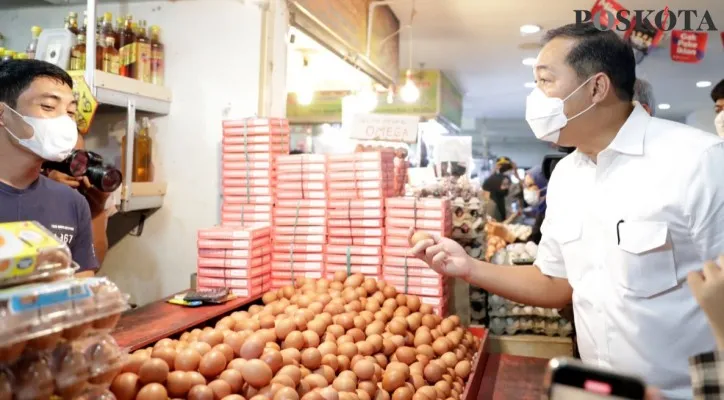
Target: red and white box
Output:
[
  {"x": 250, "y": 147},
  {"x": 235, "y": 258}
]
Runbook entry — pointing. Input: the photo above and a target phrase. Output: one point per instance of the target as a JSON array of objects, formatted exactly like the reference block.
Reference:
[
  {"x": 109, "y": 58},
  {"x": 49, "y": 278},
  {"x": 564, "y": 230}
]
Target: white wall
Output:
[
  {"x": 702, "y": 119},
  {"x": 212, "y": 67}
]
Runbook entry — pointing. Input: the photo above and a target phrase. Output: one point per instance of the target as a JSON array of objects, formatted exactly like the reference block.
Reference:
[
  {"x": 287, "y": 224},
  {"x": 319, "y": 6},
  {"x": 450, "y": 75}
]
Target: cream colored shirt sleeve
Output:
[{"x": 704, "y": 203}]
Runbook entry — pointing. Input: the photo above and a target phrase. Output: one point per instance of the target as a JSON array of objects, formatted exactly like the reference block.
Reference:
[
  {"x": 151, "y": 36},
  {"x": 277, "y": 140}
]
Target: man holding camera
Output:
[{"x": 37, "y": 123}]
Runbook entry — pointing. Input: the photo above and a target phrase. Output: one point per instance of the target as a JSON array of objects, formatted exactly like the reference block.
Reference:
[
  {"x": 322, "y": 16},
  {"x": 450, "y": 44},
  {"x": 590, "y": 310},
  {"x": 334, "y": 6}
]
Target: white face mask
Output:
[
  {"x": 545, "y": 114},
  {"x": 53, "y": 138},
  {"x": 719, "y": 122},
  {"x": 532, "y": 197}
]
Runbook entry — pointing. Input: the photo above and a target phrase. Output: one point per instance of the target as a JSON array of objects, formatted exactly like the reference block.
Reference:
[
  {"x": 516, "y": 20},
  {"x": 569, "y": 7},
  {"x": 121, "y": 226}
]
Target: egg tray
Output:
[
  {"x": 533, "y": 325},
  {"x": 70, "y": 370},
  {"x": 38, "y": 316}
]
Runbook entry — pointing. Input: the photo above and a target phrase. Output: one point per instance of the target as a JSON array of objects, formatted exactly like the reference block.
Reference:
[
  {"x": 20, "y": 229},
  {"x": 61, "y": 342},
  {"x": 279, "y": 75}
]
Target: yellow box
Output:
[{"x": 26, "y": 247}]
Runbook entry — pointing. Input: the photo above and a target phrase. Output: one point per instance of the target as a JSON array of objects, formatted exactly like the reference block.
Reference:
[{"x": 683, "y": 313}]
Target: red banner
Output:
[
  {"x": 643, "y": 37},
  {"x": 601, "y": 6},
  {"x": 688, "y": 47}
]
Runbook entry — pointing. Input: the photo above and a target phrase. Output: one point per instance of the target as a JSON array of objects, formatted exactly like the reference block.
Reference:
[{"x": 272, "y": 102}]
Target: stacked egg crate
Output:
[
  {"x": 358, "y": 184},
  {"x": 300, "y": 218},
  {"x": 409, "y": 274}
]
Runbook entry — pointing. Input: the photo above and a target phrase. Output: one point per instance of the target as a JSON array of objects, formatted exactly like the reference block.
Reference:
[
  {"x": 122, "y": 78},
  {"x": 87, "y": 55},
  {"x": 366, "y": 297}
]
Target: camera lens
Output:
[
  {"x": 77, "y": 163},
  {"x": 104, "y": 177}
]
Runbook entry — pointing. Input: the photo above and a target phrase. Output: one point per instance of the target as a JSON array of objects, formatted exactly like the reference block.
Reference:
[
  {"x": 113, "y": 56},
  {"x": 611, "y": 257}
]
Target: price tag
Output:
[{"x": 87, "y": 103}]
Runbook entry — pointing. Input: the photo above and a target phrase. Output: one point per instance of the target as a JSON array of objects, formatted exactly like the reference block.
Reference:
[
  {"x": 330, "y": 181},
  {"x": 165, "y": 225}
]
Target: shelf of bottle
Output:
[
  {"x": 117, "y": 90},
  {"x": 144, "y": 196}
]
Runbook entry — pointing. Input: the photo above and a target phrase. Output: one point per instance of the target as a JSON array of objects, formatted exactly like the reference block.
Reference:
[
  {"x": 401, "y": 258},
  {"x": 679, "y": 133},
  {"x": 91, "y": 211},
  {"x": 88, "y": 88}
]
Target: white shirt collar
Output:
[{"x": 629, "y": 139}]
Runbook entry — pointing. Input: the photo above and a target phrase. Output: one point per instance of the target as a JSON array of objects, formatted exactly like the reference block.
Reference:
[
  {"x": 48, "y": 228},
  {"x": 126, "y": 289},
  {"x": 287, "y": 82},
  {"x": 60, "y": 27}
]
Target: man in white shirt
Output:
[{"x": 635, "y": 208}]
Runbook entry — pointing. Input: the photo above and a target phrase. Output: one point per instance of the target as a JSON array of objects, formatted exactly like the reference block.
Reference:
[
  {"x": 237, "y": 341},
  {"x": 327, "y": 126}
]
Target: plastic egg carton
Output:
[
  {"x": 538, "y": 326},
  {"x": 38, "y": 317},
  {"x": 502, "y": 307},
  {"x": 80, "y": 368},
  {"x": 478, "y": 305}
]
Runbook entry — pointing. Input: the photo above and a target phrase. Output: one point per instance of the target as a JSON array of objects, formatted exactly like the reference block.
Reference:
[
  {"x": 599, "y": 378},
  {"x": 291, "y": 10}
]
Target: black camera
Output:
[{"x": 103, "y": 177}]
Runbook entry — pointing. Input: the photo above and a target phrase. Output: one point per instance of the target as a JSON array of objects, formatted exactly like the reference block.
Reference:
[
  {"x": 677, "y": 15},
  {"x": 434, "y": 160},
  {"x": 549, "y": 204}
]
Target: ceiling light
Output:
[
  {"x": 664, "y": 106},
  {"x": 530, "y": 85},
  {"x": 703, "y": 84},
  {"x": 409, "y": 91},
  {"x": 530, "y": 61},
  {"x": 367, "y": 99},
  {"x": 529, "y": 29}
]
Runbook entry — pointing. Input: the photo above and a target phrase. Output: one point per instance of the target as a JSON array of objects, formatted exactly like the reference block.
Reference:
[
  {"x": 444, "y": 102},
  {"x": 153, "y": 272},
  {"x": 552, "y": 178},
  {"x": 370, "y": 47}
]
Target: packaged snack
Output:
[
  {"x": 38, "y": 316},
  {"x": 29, "y": 252}
]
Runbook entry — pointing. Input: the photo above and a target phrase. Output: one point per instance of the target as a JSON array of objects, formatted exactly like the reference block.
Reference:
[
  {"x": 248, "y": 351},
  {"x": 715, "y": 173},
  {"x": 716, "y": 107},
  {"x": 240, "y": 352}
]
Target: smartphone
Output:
[{"x": 569, "y": 379}]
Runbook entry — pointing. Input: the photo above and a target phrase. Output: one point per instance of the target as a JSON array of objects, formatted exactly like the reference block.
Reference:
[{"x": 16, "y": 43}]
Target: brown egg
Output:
[
  {"x": 327, "y": 348},
  {"x": 316, "y": 381},
  {"x": 221, "y": 388},
  {"x": 347, "y": 349},
  {"x": 440, "y": 346},
  {"x": 311, "y": 358},
  {"x": 233, "y": 378},
  {"x": 365, "y": 348},
  {"x": 443, "y": 388},
  {"x": 398, "y": 326},
  {"x": 311, "y": 338},
  {"x": 153, "y": 370},
  {"x": 344, "y": 384},
  {"x": 125, "y": 386},
  {"x": 226, "y": 350},
  {"x": 428, "y": 391},
  {"x": 449, "y": 359},
  {"x": 201, "y": 347},
  {"x": 273, "y": 359},
  {"x": 419, "y": 236},
  {"x": 344, "y": 362},
  {"x": 134, "y": 362},
  {"x": 165, "y": 353},
  {"x": 433, "y": 372},
  {"x": 462, "y": 369},
  {"x": 422, "y": 337},
  {"x": 212, "y": 337},
  {"x": 252, "y": 348},
  {"x": 291, "y": 371},
  {"x": 234, "y": 397},
  {"x": 402, "y": 393},
  {"x": 212, "y": 363},
  {"x": 178, "y": 384},
  {"x": 364, "y": 369},
  {"x": 256, "y": 373},
  {"x": 152, "y": 391},
  {"x": 393, "y": 379},
  {"x": 286, "y": 393},
  {"x": 294, "y": 339},
  {"x": 406, "y": 355},
  {"x": 195, "y": 378},
  {"x": 234, "y": 340},
  {"x": 291, "y": 356},
  {"x": 200, "y": 392}
]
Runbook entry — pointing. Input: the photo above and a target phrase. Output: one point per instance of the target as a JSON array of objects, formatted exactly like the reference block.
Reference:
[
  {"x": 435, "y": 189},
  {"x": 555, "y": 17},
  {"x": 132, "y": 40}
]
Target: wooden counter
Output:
[
  {"x": 148, "y": 324},
  {"x": 509, "y": 377}
]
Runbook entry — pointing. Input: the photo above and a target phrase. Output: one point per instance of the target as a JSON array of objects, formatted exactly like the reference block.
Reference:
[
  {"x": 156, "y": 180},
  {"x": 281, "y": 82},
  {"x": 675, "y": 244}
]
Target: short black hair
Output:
[
  {"x": 17, "y": 75},
  {"x": 718, "y": 92},
  {"x": 600, "y": 51}
]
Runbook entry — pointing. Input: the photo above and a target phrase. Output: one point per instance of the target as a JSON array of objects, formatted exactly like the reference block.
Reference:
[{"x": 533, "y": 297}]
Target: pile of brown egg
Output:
[{"x": 341, "y": 339}]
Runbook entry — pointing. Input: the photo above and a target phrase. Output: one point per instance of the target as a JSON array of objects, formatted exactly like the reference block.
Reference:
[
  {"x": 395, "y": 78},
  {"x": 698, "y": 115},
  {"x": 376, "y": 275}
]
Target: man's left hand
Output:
[{"x": 707, "y": 286}]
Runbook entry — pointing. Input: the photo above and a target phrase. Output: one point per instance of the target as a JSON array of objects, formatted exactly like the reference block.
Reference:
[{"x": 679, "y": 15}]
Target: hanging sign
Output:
[
  {"x": 87, "y": 103},
  {"x": 386, "y": 127},
  {"x": 688, "y": 47},
  {"x": 603, "y": 8}
]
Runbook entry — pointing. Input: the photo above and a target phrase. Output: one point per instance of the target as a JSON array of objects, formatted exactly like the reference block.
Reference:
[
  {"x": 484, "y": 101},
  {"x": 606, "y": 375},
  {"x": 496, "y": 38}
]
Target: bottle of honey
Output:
[
  {"x": 157, "y": 56},
  {"x": 111, "y": 60},
  {"x": 78, "y": 55},
  {"x": 117, "y": 31},
  {"x": 142, "y": 153},
  {"x": 106, "y": 27},
  {"x": 142, "y": 66},
  {"x": 73, "y": 22},
  {"x": 84, "y": 28},
  {"x": 127, "y": 51}
]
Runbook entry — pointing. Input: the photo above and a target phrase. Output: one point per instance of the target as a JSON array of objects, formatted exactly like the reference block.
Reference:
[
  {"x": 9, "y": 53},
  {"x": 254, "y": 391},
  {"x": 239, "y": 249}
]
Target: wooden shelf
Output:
[
  {"x": 144, "y": 196},
  {"x": 532, "y": 346},
  {"x": 117, "y": 90}
]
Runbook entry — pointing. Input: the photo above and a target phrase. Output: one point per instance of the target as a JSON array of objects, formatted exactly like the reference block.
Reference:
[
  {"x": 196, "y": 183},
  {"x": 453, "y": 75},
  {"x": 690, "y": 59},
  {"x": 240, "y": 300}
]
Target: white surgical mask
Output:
[
  {"x": 53, "y": 138},
  {"x": 545, "y": 114},
  {"x": 719, "y": 122},
  {"x": 532, "y": 197}
]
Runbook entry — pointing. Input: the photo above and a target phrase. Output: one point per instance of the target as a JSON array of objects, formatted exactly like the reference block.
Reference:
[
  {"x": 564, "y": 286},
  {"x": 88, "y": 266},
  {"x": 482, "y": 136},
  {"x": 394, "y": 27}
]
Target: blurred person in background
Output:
[
  {"x": 496, "y": 189},
  {"x": 535, "y": 185},
  {"x": 644, "y": 95},
  {"x": 717, "y": 94}
]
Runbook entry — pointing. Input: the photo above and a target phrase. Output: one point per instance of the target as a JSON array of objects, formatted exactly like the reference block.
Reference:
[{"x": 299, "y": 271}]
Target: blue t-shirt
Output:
[{"x": 59, "y": 208}]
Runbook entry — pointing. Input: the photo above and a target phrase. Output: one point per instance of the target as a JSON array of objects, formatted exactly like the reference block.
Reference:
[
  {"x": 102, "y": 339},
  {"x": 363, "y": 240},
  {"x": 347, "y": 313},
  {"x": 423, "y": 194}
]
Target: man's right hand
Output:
[
  {"x": 443, "y": 255},
  {"x": 65, "y": 179},
  {"x": 707, "y": 286}
]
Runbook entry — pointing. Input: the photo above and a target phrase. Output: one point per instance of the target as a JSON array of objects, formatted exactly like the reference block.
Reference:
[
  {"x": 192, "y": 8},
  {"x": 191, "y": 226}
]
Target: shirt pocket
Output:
[
  {"x": 569, "y": 236},
  {"x": 646, "y": 266}
]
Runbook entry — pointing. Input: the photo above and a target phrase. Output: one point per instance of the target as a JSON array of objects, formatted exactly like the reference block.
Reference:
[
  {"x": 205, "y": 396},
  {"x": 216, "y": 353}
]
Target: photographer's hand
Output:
[
  {"x": 65, "y": 179},
  {"x": 96, "y": 198}
]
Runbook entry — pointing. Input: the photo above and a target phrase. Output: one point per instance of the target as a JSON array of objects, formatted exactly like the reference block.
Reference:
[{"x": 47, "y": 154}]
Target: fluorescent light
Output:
[
  {"x": 530, "y": 61},
  {"x": 529, "y": 29},
  {"x": 530, "y": 85},
  {"x": 703, "y": 84},
  {"x": 664, "y": 106}
]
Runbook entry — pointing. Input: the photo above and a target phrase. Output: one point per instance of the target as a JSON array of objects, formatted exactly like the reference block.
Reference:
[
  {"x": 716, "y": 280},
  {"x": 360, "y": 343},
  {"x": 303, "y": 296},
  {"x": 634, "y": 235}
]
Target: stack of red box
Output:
[
  {"x": 249, "y": 148},
  {"x": 400, "y": 175},
  {"x": 300, "y": 218},
  {"x": 409, "y": 274},
  {"x": 358, "y": 183},
  {"x": 235, "y": 258}
]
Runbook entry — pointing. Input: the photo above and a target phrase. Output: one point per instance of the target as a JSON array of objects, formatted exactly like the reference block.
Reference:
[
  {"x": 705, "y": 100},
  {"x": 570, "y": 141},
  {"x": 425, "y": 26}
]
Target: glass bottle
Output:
[
  {"x": 106, "y": 27},
  {"x": 33, "y": 45},
  {"x": 77, "y": 55},
  {"x": 142, "y": 66},
  {"x": 84, "y": 28},
  {"x": 73, "y": 22},
  {"x": 99, "y": 51},
  {"x": 127, "y": 50},
  {"x": 117, "y": 31},
  {"x": 111, "y": 60},
  {"x": 9, "y": 55},
  {"x": 157, "y": 56},
  {"x": 142, "y": 170}
]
